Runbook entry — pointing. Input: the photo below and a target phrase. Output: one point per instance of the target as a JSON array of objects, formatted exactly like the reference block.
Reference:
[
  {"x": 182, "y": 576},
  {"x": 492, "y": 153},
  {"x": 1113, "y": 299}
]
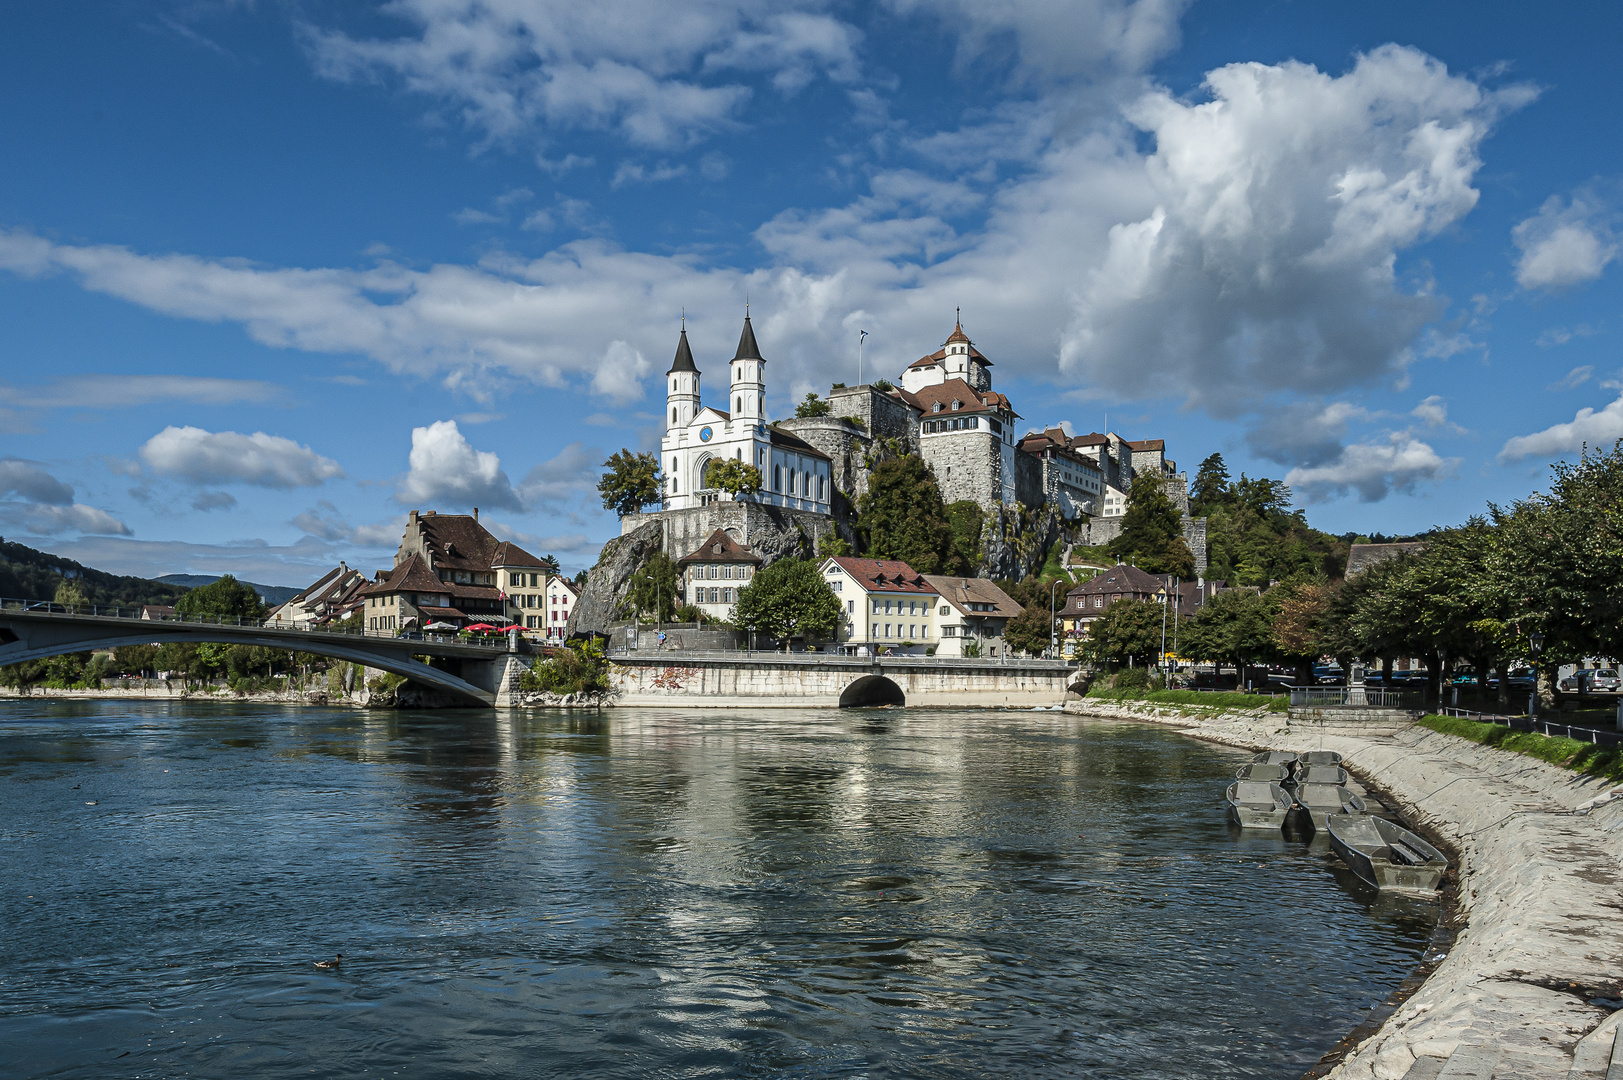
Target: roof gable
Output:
[
  {"x": 718, "y": 547},
  {"x": 884, "y": 575}
]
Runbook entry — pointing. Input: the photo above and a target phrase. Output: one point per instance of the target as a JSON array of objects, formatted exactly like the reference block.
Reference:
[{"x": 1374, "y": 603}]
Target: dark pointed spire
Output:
[
  {"x": 684, "y": 354},
  {"x": 747, "y": 349}
]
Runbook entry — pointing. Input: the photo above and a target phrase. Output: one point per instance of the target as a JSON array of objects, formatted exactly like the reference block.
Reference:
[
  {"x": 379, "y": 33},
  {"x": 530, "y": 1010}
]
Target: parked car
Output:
[
  {"x": 1520, "y": 678},
  {"x": 1604, "y": 680}
]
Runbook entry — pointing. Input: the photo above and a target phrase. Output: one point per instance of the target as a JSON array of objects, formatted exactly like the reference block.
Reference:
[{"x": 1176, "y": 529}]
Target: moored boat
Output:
[
  {"x": 1319, "y": 757},
  {"x": 1257, "y": 804},
  {"x": 1320, "y": 801},
  {"x": 1273, "y": 774},
  {"x": 1321, "y": 774},
  {"x": 1385, "y": 854},
  {"x": 1277, "y": 757}
]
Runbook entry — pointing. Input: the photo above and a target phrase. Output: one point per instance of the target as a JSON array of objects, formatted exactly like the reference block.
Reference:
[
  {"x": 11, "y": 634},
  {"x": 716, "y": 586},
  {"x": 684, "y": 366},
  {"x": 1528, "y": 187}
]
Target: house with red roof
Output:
[{"x": 889, "y": 606}]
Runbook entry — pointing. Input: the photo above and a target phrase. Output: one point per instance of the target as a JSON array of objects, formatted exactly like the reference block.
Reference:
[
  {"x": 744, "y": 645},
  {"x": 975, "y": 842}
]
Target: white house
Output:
[
  {"x": 888, "y": 605},
  {"x": 972, "y": 610},
  {"x": 713, "y": 574},
  {"x": 794, "y": 473},
  {"x": 559, "y": 599}
]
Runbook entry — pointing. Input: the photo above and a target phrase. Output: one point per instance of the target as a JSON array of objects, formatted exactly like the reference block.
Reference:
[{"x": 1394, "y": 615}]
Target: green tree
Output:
[
  {"x": 968, "y": 521},
  {"x": 1128, "y": 630},
  {"x": 1211, "y": 488},
  {"x": 653, "y": 589},
  {"x": 225, "y": 598},
  {"x": 70, "y": 593},
  {"x": 135, "y": 659},
  {"x": 902, "y": 517},
  {"x": 580, "y": 667},
  {"x": 788, "y": 599},
  {"x": 732, "y": 476},
  {"x": 632, "y": 482},
  {"x": 1030, "y": 630},
  {"x": 1235, "y": 626},
  {"x": 811, "y": 407},
  {"x": 1152, "y": 531}
]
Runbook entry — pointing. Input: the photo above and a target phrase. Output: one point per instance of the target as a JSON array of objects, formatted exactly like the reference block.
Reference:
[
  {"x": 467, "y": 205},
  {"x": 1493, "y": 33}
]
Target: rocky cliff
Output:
[
  {"x": 1015, "y": 540},
  {"x": 608, "y": 581}
]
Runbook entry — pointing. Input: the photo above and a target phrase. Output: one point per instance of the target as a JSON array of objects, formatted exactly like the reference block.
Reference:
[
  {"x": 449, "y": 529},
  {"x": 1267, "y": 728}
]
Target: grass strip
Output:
[
  {"x": 1218, "y": 700},
  {"x": 1590, "y": 759}
]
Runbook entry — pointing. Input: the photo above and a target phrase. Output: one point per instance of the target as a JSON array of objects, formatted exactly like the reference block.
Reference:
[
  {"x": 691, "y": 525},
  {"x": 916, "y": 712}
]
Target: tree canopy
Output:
[
  {"x": 788, "y": 599},
  {"x": 902, "y": 517},
  {"x": 1152, "y": 531},
  {"x": 1252, "y": 536},
  {"x": 733, "y": 476},
  {"x": 812, "y": 406},
  {"x": 632, "y": 482},
  {"x": 1128, "y": 630},
  {"x": 224, "y": 598},
  {"x": 652, "y": 589}
]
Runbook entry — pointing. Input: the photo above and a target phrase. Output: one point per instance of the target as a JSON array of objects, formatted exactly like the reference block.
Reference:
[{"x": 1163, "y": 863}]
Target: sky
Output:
[{"x": 275, "y": 272}]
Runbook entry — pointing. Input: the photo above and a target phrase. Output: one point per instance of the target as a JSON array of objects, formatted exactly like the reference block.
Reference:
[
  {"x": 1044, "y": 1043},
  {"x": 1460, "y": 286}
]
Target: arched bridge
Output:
[
  {"x": 820, "y": 680},
  {"x": 34, "y": 631}
]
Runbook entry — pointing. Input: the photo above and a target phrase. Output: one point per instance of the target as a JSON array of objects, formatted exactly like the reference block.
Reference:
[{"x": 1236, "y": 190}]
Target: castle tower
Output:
[
  {"x": 749, "y": 379},
  {"x": 956, "y": 362},
  {"x": 682, "y": 386}
]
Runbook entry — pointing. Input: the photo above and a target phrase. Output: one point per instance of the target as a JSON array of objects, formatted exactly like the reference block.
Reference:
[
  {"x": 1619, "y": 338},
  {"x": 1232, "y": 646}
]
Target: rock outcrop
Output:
[
  {"x": 1016, "y": 540},
  {"x": 608, "y": 582}
]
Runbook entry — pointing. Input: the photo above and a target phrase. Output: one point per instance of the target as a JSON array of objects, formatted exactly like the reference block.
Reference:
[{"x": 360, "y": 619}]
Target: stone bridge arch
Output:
[
  {"x": 24, "y": 639},
  {"x": 871, "y": 690}
]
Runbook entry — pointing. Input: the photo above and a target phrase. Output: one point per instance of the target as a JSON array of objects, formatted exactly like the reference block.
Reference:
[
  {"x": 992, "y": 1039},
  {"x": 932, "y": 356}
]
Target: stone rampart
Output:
[{"x": 1522, "y": 993}]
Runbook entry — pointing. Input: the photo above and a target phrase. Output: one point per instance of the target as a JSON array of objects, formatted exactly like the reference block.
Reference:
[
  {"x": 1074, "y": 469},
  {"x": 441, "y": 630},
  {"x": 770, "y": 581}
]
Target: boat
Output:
[
  {"x": 1257, "y": 804},
  {"x": 1276, "y": 757},
  {"x": 1385, "y": 854},
  {"x": 1275, "y": 774},
  {"x": 1321, "y": 774},
  {"x": 1319, "y": 757},
  {"x": 1319, "y": 801}
]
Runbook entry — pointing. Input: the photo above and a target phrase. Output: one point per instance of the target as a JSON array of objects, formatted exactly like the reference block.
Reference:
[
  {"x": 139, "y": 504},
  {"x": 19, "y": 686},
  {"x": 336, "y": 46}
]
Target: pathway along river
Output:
[{"x": 658, "y": 894}]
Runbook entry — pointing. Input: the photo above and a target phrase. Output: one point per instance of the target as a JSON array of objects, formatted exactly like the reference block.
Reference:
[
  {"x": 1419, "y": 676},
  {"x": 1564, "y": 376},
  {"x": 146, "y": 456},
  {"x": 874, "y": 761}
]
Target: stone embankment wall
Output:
[{"x": 1539, "y": 851}]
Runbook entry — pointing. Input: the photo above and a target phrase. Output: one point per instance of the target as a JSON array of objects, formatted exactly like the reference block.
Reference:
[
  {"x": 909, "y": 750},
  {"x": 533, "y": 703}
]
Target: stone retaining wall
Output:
[{"x": 1540, "y": 860}]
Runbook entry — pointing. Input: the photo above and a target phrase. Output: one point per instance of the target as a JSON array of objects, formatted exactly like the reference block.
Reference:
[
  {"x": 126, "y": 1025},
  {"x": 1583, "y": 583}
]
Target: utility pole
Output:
[{"x": 861, "y": 338}]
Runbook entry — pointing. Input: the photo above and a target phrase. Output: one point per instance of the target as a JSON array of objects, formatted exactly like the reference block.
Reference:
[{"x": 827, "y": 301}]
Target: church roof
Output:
[
  {"x": 795, "y": 443},
  {"x": 720, "y": 548},
  {"x": 747, "y": 349},
  {"x": 684, "y": 355}
]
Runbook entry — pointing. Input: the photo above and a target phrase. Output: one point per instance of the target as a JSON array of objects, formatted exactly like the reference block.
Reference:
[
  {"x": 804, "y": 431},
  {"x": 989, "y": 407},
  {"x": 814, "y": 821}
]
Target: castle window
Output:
[
  {"x": 777, "y": 478},
  {"x": 738, "y": 404},
  {"x": 673, "y": 416}
]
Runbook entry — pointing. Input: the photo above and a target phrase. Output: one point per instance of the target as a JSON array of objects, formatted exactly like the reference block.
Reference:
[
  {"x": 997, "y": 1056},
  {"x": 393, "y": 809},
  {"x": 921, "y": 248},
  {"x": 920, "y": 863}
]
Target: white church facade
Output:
[{"x": 794, "y": 474}]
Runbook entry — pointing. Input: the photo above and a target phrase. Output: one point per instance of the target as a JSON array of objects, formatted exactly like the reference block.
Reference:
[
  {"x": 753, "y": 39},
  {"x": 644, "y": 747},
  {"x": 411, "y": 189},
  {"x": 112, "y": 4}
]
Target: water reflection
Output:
[{"x": 877, "y": 893}]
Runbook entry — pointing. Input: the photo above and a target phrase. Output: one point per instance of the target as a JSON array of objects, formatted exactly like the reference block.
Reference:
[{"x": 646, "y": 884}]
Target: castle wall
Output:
[
  {"x": 967, "y": 465},
  {"x": 1029, "y": 485},
  {"x": 883, "y": 416},
  {"x": 842, "y": 441},
  {"x": 772, "y": 532}
]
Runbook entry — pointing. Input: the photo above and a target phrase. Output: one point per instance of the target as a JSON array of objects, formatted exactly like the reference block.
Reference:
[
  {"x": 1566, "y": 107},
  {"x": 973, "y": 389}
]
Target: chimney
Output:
[{"x": 476, "y": 513}]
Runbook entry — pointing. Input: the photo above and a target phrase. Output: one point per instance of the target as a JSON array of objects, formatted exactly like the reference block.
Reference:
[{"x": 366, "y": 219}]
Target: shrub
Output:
[
  {"x": 1132, "y": 679},
  {"x": 580, "y": 668}
]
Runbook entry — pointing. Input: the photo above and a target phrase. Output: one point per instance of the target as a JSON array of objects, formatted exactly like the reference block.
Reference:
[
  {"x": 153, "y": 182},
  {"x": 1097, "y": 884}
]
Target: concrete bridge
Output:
[
  {"x": 815, "y": 680},
  {"x": 468, "y": 673}
]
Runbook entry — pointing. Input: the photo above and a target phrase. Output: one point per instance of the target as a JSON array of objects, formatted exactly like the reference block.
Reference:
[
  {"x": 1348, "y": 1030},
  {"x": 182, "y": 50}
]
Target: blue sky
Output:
[{"x": 274, "y": 273}]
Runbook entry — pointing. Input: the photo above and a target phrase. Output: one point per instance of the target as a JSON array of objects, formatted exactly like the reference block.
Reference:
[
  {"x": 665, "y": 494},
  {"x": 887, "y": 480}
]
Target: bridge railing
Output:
[
  {"x": 133, "y": 614},
  {"x": 676, "y": 656}
]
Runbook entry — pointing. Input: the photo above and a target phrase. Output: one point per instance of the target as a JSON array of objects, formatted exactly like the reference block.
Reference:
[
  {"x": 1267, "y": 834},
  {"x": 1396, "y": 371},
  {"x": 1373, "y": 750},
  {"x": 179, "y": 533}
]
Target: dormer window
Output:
[
  {"x": 936, "y": 407},
  {"x": 956, "y": 404}
]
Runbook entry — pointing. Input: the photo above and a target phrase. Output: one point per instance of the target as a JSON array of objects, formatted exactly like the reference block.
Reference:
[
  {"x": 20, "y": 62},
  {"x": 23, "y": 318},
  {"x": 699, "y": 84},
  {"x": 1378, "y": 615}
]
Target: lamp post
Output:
[
  {"x": 1535, "y": 645},
  {"x": 1053, "y": 628}
]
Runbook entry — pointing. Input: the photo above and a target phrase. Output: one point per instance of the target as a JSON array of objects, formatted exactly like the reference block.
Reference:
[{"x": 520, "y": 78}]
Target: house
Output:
[
  {"x": 449, "y": 569},
  {"x": 888, "y": 604},
  {"x": 559, "y": 599},
  {"x": 526, "y": 589},
  {"x": 1071, "y": 480},
  {"x": 335, "y": 595},
  {"x": 157, "y": 611},
  {"x": 713, "y": 573},
  {"x": 1088, "y": 601},
  {"x": 972, "y": 614}
]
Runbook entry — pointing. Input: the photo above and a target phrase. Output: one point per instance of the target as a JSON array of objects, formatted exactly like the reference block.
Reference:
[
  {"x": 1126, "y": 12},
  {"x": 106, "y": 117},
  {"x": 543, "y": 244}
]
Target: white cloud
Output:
[
  {"x": 565, "y": 478},
  {"x": 1564, "y": 244},
  {"x": 127, "y": 391},
  {"x": 654, "y": 74},
  {"x": 29, "y": 481},
  {"x": 325, "y": 522},
  {"x": 1373, "y": 469},
  {"x": 1588, "y": 427},
  {"x": 446, "y": 470},
  {"x": 1574, "y": 378},
  {"x": 214, "y": 500},
  {"x": 1433, "y": 411},
  {"x": 56, "y": 520},
  {"x": 1279, "y": 208},
  {"x": 205, "y": 457},
  {"x": 621, "y": 373},
  {"x": 633, "y": 173},
  {"x": 295, "y": 565}
]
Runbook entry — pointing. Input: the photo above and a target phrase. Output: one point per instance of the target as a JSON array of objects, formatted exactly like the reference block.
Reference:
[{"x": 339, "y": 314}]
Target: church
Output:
[{"x": 794, "y": 474}]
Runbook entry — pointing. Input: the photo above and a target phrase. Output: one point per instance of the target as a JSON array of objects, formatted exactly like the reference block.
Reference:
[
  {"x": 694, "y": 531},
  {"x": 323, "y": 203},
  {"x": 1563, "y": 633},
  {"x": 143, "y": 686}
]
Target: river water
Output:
[{"x": 644, "y": 893}]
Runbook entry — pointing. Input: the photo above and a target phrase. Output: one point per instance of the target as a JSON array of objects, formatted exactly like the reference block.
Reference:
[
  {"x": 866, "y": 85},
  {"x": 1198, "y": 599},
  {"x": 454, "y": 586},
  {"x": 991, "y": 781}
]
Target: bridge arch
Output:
[
  {"x": 24, "y": 639},
  {"x": 872, "y": 690}
]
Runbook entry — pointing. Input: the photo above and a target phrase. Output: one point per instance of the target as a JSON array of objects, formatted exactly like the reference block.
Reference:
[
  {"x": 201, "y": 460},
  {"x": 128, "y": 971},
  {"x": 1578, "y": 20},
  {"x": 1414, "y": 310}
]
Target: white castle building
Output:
[{"x": 794, "y": 474}]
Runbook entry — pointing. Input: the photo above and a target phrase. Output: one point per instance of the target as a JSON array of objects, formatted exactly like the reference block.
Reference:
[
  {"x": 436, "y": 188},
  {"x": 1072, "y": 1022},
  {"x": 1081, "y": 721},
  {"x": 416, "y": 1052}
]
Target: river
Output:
[{"x": 650, "y": 893}]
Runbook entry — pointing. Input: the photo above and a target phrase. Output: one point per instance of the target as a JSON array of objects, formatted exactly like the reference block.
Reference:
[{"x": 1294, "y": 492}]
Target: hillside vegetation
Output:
[{"x": 27, "y": 574}]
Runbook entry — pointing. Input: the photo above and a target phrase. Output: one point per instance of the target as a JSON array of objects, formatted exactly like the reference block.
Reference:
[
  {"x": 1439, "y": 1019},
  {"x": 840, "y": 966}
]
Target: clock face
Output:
[{"x": 704, "y": 434}]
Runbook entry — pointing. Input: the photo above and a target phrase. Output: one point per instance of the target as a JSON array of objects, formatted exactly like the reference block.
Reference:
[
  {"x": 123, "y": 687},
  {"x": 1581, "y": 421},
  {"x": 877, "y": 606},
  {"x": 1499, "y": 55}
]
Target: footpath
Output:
[{"x": 1529, "y": 988}]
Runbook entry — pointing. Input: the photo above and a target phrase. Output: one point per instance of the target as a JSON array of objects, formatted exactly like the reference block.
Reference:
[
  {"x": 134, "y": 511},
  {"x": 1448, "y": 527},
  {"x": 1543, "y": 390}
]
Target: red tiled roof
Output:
[
  {"x": 1148, "y": 444},
  {"x": 413, "y": 575},
  {"x": 1121, "y": 579},
  {"x": 885, "y": 575},
  {"x": 510, "y": 554},
  {"x": 925, "y": 398},
  {"x": 720, "y": 548},
  {"x": 961, "y": 592}
]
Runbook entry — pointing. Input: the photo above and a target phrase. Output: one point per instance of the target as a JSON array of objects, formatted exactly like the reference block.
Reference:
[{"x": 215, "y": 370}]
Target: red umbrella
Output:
[
  {"x": 515, "y": 626},
  {"x": 479, "y": 626}
]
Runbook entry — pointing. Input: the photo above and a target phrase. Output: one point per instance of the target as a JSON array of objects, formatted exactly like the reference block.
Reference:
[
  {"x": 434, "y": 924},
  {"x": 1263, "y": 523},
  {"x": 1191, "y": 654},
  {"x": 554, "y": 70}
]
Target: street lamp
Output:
[{"x": 1535, "y": 643}]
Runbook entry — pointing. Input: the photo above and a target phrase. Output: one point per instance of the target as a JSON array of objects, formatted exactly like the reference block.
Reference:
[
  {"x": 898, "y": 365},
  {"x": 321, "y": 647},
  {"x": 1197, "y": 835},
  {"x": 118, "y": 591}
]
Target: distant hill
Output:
[
  {"x": 271, "y": 594},
  {"x": 27, "y": 574}
]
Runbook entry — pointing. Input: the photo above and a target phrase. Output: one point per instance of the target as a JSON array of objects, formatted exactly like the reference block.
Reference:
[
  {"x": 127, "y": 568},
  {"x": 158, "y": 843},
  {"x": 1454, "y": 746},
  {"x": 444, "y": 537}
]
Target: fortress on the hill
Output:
[{"x": 944, "y": 410}]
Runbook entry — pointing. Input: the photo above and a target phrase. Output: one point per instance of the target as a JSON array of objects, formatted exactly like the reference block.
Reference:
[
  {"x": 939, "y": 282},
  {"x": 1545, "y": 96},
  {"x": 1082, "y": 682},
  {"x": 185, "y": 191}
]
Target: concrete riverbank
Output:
[{"x": 1529, "y": 987}]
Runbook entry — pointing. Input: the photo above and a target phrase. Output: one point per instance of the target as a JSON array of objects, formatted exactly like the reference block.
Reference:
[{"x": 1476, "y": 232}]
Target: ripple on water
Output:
[{"x": 940, "y": 894}]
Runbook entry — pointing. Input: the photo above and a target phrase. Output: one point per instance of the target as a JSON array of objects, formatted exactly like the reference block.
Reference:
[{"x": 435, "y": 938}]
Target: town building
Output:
[
  {"x": 971, "y": 616},
  {"x": 157, "y": 611},
  {"x": 449, "y": 570},
  {"x": 333, "y": 596},
  {"x": 888, "y": 605},
  {"x": 1070, "y": 479},
  {"x": 561, "y": 595},
  {"x": 698, "y": 437},
  {"x": 714, "y": 572},
  {"x": 1087, "y": 602}
]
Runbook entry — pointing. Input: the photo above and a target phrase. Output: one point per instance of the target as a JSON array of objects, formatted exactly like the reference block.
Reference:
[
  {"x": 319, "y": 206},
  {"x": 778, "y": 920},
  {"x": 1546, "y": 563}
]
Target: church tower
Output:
[
  {"x": 682, "y": 386},
  {"x": 749, "y": 379}
]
